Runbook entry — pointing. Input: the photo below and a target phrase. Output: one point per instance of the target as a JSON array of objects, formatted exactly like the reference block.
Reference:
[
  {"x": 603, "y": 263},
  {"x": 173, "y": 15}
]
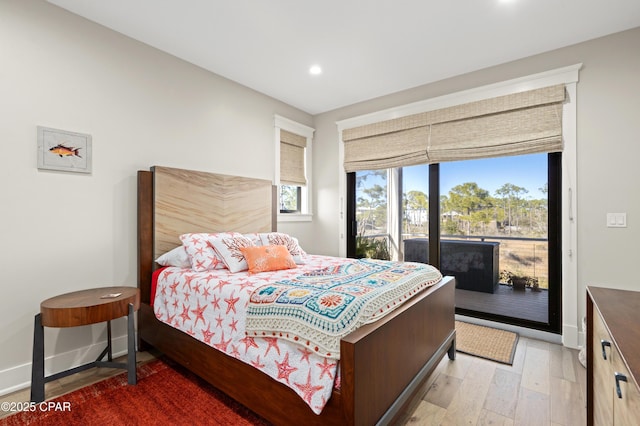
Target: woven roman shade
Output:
[
  {"x": 292, "y": 162},
  {"x": 520, "y": 123},
  {"x": 392, "y": 143}
]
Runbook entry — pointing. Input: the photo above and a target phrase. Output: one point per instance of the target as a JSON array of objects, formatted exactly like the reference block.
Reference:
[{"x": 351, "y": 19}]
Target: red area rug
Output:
[{"x": 166, "y": 394}]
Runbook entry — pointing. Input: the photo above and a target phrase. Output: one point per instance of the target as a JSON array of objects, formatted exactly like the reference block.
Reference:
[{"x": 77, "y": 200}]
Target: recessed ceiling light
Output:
[{"x": 315, "y": 70}]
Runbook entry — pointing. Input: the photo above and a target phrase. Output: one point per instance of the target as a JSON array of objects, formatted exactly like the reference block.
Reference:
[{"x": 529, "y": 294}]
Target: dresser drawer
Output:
[{"x": 613, "y": 321}]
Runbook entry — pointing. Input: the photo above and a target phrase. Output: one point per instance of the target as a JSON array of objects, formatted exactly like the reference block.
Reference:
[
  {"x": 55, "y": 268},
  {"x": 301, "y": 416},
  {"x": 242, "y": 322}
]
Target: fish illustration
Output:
[{"x": 65, "y": 151}]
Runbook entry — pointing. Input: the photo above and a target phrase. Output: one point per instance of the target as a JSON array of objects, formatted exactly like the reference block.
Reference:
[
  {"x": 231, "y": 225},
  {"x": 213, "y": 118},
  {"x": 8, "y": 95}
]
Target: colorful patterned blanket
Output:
[{"x": 318, "y": 308}]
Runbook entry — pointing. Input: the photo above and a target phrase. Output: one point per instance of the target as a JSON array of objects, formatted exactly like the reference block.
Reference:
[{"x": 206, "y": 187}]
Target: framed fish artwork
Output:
[{"x": 63, "y": 150}]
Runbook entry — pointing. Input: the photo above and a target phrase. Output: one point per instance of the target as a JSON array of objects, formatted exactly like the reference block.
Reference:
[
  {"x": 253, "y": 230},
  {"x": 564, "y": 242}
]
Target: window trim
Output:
[{"x": 306, "y": 206}]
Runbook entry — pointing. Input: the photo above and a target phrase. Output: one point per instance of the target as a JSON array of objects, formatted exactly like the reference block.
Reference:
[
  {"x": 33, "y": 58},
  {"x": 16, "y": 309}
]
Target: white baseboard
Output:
[
  {"x": 572, "y": 336},
  {"x": 19, "y": 377}
]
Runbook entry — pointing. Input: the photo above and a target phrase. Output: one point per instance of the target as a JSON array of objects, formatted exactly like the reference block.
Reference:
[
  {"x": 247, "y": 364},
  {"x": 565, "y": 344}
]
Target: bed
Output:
[{"x": 382, "y": 364}]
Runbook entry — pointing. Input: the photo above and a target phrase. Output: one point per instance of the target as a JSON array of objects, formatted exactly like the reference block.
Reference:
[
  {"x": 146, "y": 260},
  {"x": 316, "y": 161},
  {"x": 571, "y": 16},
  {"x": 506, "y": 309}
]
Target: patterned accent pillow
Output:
[
  {"x": 177, "y": 257},
  {"x": 291, "y": 243},
  {"x": 227, "y": 247},
  {"x": 267, "y": 258},
  {"x": 201, "y": 255}
]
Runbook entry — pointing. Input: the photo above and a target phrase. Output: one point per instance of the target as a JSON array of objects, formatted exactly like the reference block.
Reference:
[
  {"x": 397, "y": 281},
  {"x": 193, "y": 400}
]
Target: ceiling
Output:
[{"x": 365, "y": 48}]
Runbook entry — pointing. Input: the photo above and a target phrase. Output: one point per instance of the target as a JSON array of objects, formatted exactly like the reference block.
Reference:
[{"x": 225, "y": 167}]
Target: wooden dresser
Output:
[{"x": 613, "y": 357}]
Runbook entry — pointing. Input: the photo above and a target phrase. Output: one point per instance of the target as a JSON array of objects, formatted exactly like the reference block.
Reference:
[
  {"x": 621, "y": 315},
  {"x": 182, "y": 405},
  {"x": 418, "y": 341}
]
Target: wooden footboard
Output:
[{"x": 382, "y": 364}]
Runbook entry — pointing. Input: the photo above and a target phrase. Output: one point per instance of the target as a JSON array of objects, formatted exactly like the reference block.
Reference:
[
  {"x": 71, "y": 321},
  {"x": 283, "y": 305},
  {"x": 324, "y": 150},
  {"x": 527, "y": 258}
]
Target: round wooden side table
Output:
[{"x": 83, "y": 308}]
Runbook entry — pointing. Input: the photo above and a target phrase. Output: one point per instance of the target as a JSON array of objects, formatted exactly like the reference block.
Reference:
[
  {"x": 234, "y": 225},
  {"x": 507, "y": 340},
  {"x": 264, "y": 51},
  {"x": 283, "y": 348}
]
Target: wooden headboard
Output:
[{"x": 173, "y": 201}]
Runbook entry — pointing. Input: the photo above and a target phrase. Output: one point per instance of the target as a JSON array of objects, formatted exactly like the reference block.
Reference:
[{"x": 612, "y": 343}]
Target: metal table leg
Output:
[
  {"x": 37, "y": 366},
  {"x": 131, "y": 348}
]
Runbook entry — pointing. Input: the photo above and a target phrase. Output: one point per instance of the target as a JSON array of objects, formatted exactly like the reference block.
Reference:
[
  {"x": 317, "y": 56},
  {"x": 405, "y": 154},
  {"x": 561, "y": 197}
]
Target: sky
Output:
[{"x": 527, "y": 171}]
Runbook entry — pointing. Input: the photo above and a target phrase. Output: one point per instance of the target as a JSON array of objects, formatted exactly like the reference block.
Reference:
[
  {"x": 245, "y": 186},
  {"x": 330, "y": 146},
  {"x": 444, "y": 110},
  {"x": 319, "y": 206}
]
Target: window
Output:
[
  {"x": 415, "y": 202},
  {"x": 290, "y": 199},
  {"x": 361, "y": 136},
  {"x": 372, "y": 194},
  {"x": 496, "y": 219},
  {"x": 293, "y": 143}
]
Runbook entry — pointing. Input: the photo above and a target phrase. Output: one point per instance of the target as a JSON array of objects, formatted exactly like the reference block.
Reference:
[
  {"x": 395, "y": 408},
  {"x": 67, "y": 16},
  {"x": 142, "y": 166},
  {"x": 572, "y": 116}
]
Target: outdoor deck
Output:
[{"x": 529, "y": 305}]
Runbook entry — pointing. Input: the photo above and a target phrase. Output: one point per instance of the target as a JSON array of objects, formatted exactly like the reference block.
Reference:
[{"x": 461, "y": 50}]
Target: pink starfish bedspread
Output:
[{"x": 212, "y": 307}]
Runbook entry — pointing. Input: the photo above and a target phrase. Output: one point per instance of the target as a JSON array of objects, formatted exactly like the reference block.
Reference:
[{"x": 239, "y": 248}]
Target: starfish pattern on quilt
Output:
[{"x": 211, "y": 306}]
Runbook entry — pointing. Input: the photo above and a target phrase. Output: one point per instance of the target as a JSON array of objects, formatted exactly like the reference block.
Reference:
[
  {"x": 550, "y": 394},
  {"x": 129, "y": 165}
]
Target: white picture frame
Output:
[{"x": 62, "y": 150}]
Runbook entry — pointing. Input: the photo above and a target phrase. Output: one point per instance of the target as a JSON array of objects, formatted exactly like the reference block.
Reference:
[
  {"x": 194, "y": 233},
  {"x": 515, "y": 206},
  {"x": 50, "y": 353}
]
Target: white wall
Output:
[
  {"x": 63, "y": 232},
  {"x": 608, "y": 104}
]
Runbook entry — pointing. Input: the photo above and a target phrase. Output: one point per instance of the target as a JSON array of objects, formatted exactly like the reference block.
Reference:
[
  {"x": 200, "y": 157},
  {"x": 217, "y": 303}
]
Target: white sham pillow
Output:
[
  {"x": 254, "y": 237},
  {"x": 228, "y": 248},
  {"x": 177, "y": 257},
  {"x": 282, "y": 239}
]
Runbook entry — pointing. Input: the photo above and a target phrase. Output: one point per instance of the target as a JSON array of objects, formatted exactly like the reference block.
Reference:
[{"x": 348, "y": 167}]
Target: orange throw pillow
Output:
[{"x": 267, "y": 258}]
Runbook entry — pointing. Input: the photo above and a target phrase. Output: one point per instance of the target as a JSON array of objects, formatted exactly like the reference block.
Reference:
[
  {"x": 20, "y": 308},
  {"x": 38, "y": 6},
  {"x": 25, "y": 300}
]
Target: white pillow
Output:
[
  {"x": 177, "y": 257},
  {"x": 281, "y": 239},
  {"x": 228, "y": 248}
]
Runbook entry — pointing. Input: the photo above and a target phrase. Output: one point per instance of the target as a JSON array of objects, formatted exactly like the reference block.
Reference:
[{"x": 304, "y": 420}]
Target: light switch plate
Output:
[{"x": 616, "y": 220}]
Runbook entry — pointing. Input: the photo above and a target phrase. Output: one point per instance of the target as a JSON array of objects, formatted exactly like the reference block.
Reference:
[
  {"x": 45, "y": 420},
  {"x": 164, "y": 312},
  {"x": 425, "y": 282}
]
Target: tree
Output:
[
  {"x": 468, "y": 199},
  {"x": 538, "y": 217},
  {"x": 511, "y": 196},
  {"x": 371, "y": 200},
  {"x": 371, "y": 213},
  {"x": 416, "y": 204},
  {"x": 417, "y": 200},
  {"x": 288, "y": 197}
]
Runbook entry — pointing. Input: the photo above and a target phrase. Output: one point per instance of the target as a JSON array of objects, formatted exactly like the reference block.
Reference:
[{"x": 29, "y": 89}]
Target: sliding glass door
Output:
[
  {"x": 492, "y": 223},
  {"x": 496, "y": 219}
]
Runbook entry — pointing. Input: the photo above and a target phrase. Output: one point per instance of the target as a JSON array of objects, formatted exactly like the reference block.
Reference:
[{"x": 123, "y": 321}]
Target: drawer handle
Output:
[
  {"x": 620, "y": 378},
  {"x": 604, "y": 344}
]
